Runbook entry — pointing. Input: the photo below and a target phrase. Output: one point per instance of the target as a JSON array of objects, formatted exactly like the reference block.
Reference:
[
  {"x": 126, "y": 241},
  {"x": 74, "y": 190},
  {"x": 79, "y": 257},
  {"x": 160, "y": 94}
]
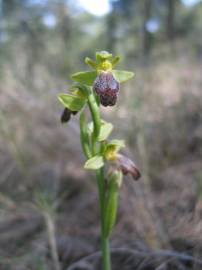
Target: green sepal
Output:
[
  {"x": 103, "y": 55},
  {"x": 85, "y": 77},
  {"x": 105, "y": 130},
  {"x": 94, "y": 163},
  {"x": 122, "y": 75},
  {"x": 115, "y": 180},
  {"x": 74, "y": 103}
]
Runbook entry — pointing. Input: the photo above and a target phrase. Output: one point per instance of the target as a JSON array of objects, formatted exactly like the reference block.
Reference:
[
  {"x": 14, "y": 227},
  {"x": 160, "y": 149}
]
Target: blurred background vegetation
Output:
[{"x": 48, "y": 204}]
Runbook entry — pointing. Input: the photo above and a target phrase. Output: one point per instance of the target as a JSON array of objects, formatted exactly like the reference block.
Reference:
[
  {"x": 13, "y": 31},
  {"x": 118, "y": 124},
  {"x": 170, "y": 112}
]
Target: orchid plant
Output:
[{"x": 90, "y": 90}]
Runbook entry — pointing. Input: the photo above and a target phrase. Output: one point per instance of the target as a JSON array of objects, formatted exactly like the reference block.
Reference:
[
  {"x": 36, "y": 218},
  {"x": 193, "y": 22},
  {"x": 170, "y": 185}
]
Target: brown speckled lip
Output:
[
  {"x": 127, "y": 166},
  {"x": 107, "y": 88}
]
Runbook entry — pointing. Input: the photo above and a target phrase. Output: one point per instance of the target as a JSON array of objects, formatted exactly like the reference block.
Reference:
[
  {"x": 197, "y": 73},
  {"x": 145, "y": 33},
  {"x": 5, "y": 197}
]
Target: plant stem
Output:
[
  {"x": 106, "y": 253},
  {"x": 94, "y": 109},
  {"x": 84, "y": 136},
  {"x": 104, "y": 240}
]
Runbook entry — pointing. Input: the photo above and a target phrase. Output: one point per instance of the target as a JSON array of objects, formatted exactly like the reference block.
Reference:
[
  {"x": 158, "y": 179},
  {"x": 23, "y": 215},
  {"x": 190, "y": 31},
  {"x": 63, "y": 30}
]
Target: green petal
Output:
[
  {"x": 90, "y": 62},
  {"x": 115, "y": 60},
  {"x": 94, "y": 163},
  {"x": 122, "y": 75},
  {"x": 86, "y": 77},
  {"x": 74, "y": 103}
]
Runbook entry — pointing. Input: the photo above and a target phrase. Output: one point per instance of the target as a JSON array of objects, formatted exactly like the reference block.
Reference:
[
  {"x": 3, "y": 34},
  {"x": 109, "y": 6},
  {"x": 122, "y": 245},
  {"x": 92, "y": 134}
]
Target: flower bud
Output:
[{"x": 107, "y": 88}]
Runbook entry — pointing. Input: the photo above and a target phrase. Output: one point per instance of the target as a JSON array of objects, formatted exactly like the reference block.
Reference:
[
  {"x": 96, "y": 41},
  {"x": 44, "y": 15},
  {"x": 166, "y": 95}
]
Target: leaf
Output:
[
  {"x": 71, "y": 102},
  {"x": 122, "y": 76},
  {"x": 85, "y": 77},
  {"x": 94, "y": 163},
  {"x": 106, "y": 129}
]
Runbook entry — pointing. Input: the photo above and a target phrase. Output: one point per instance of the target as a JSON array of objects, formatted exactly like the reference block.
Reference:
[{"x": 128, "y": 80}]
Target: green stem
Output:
[
  {"x": 106, "y": 254},
  {"x": 84, "y": 136},
  {"x": 104, "y": 239},
  {"x": 94, "y": 109}
]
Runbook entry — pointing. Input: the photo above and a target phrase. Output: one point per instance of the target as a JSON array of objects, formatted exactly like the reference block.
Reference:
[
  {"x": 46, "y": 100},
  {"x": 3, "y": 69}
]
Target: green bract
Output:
[
  {"x": 94, "y": 163},
  {"x": 115, "y": 180},
  {"x": 74, "y": 103},
  {"x": 80, "y": 90},
  {"x": 105, "y": 131}
]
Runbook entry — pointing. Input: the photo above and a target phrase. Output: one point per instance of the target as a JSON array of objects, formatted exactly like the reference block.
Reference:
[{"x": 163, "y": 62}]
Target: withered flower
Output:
[
  {"x": 107, "y": 88},
  {"x": 127, "y": 166},
  {"x": 66, "y": 115}
]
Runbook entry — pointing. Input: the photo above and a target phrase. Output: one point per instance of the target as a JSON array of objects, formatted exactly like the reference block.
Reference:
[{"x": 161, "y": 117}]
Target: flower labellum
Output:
[
  {"x": 107, "y": 88},
  {"x": 127, "y": 166}
]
